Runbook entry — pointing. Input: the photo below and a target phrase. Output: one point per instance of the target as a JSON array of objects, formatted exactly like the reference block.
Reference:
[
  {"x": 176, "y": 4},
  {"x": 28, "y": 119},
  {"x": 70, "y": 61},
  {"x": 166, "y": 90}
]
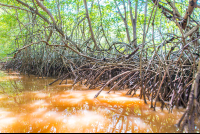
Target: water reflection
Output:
[{"x": 27, "y": 104}]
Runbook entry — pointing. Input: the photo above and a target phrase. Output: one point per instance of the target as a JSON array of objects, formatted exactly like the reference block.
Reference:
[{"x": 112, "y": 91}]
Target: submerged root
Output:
[{"x": 160, "y": 79}]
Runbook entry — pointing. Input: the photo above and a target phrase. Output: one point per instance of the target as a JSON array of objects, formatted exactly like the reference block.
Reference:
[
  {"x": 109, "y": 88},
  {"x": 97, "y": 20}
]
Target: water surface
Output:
[{"x": 28, "y": 104}]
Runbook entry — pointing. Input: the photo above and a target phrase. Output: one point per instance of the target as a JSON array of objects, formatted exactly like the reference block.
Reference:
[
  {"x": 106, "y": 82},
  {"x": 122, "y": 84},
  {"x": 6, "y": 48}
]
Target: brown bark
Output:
[
  {"x": 124, "y": 19},
  {"x": 162, "y": 7},
  {"x": 46, "y": 10},
  {"x": 133, "y": 21},
  {"x": 192, "y": 4},
  {"x": 102, "y": 25},
  {"x": 167, "y": 12},
  {"x": 46, "y": 20},
  {"x": 15, "y": 7},
  {"x": 90, "y": 25},
  {"x": 142, "y": 93},
  {"x": 176, "y": 10},
  {"x": 36, "y": 12}
]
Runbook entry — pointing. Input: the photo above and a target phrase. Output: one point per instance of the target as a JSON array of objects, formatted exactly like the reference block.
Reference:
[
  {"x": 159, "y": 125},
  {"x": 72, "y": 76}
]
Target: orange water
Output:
[{"x": 27, "y": 104}]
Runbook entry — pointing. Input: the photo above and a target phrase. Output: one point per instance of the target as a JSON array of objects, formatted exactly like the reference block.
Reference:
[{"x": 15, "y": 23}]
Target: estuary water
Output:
[{"x": 28, "y": 104}]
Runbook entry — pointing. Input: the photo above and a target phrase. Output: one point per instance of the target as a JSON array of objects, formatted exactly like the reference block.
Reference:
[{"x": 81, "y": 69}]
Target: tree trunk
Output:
[
  {"x": 192, "y": 4},
  {"x": 142, "y": 93},
  {"x": 133, "y": 21},
  {"x": 90, "y": 25},
  {"x": 124, "y": 20},
  {"x": 135, "y": 24}
]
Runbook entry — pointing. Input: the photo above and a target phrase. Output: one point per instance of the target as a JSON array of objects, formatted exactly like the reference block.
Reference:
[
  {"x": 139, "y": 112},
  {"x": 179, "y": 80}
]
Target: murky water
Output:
[{"x": 27, "y": 104}]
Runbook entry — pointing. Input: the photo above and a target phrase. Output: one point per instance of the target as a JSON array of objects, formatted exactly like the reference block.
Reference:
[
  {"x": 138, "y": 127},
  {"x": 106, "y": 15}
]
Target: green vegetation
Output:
[
  {"x": 16, "y": 23},
  {"x": 147, "y": 45}
]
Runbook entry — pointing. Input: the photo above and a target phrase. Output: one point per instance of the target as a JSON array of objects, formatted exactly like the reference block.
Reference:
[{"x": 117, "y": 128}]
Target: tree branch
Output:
[{"x": 16, "y": 7}]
